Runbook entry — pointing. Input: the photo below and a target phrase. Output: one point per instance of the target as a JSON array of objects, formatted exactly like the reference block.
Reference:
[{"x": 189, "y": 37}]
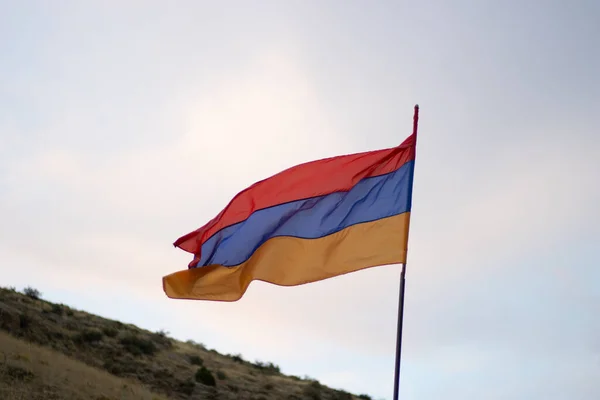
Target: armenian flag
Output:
[{"x": 310, "y": 222}]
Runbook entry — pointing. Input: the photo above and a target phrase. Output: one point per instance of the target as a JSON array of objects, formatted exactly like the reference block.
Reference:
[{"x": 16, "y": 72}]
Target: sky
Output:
[{"x": 127, "y": 124}]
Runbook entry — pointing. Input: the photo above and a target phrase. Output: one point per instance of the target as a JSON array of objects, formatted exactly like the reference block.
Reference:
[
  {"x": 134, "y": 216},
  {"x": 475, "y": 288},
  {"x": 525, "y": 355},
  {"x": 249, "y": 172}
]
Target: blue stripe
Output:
[{"x": 370, "y": 199}]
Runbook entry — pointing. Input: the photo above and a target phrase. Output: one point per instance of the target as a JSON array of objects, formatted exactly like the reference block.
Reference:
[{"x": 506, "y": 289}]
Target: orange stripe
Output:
[{"x": 290, "y": 261}]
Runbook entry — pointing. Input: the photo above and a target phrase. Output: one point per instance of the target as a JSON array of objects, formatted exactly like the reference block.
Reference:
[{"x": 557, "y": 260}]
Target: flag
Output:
[{"x": 310, "y": 222}]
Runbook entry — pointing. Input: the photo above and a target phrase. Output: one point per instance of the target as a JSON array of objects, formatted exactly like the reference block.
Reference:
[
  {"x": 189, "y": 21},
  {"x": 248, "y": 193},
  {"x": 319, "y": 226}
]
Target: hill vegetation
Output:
[{"x": 52, "y": 351}]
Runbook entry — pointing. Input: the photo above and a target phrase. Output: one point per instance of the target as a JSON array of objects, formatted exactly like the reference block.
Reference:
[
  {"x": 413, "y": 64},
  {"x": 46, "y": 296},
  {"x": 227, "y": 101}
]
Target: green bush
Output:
[
  {"x": 24, "y": 321},
  {"x": 57, "y": 309},
  {"x": 162, "y": 333},
  {"x": 33, "y": 293},
  {"x": 342, "y": 395},
  {"x": 122, "y": 367},
  {"x": 312, "y": 392},
  {"x": 205, "y": 377},
  {"x": 187, "y": 387},
  {"x": 89, "y": 336},
  {"x": 196, "y": 360},
  {"x": 221, "y": 375},
  {"x": 18, "y": 374},
  {"x": 137, "y": 345},
  {"x": 110, "y": 332},
  {"x": 197, "y": 345},
  {"x": 364, "y": 397},
  {"x": 267, "y": 367},
  {"x": 162, "y": 338},
  {"x": 112, "y": 366},
  {"x": 233, "y": 388}
]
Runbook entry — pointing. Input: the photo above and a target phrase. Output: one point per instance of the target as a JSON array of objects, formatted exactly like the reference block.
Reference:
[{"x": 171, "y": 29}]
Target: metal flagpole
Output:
[{"x": 401, "y": 300}]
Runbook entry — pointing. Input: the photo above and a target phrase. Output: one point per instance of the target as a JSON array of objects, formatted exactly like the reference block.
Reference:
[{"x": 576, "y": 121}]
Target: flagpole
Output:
[{"x": 401, "y": 294}]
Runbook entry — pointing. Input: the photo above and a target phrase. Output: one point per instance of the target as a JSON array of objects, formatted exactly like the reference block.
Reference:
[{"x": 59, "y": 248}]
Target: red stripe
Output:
[{"x": 315, "y": 178}]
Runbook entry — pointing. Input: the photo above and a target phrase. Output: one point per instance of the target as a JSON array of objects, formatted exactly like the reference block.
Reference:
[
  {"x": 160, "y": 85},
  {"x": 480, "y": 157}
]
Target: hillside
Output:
[
  {"x": 32, "y": 372},
  {"x": 52, "y": 351}
]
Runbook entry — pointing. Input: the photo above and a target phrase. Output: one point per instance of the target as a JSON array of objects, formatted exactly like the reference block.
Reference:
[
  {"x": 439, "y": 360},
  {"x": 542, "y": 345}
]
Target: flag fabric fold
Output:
[{"x": 308, "y": 223}]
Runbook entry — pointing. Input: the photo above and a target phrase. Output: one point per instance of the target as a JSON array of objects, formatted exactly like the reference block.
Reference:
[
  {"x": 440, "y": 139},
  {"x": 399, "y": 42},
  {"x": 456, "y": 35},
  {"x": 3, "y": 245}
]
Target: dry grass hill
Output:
[{"x": 51, "y": 351}]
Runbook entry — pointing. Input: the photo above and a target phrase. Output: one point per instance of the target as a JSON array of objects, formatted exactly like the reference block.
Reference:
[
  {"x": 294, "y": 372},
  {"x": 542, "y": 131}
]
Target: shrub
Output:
[
  {"x": 221, "y": 375},
  {"x": 205, "y": 377},
  {"x": 233, "y": 388},
  {"x": 19, "y": 374},
  {"x": 269, "y": 386},
  {"x": 316, "y": 384},
  {"x": 237, "y": 358},
  {"x": 197, "y": 345},
  {"x": 162, "y": 333},
  {"x": 312, "y": 392},
  {"x": 31, "y": 292},
  {"x": 196, "y": 360},
  {"x": 162, "y": 338},
  {"x": 113, "y": 367},
  {"x": 162, "y": 374},
  {"x": 122, "y": 367},
  {"x": 364, "y": 397},
  {"x": 57, "y": 309},
  {"x": 137, "y": 345},
  {"x": 89, "y": 336},
  {"x": 267, "y": 367},
  {"x": 187, "y": 387},
  {"x": 110, "y": 332},
  {"x": 58, "y": 335},
  {"x": 24, "y": 321},
  {"x": 342, "y": 395}
]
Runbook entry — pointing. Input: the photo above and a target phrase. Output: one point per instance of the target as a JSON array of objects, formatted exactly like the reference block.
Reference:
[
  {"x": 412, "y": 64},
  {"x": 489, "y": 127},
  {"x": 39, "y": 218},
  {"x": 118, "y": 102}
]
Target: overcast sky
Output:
[{"x": 126, "y": 124}]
